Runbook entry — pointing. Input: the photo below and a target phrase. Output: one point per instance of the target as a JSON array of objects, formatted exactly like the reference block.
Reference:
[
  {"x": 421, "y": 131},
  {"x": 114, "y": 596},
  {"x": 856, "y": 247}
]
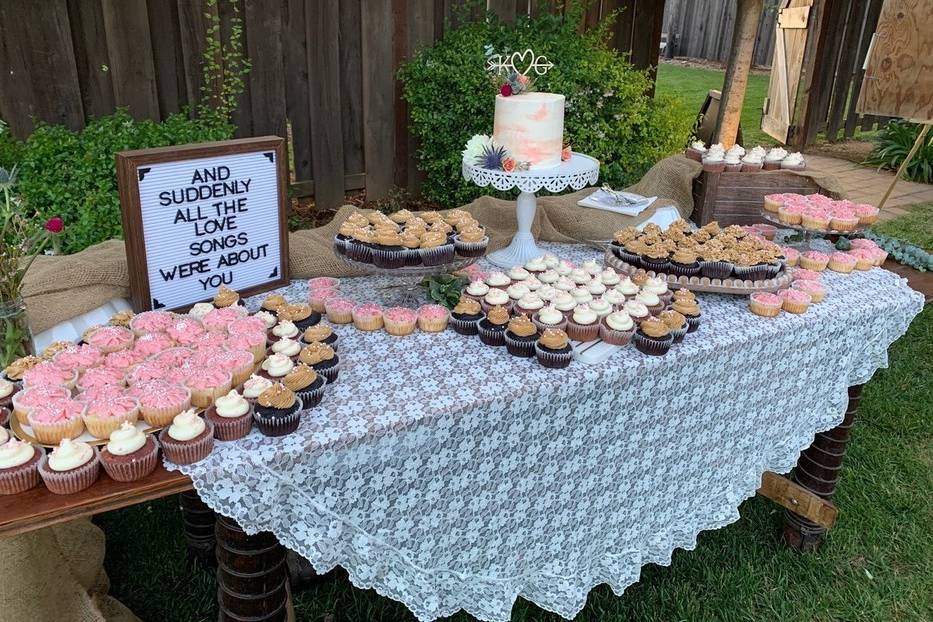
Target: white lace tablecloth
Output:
[{"x": 450, "y": 475}]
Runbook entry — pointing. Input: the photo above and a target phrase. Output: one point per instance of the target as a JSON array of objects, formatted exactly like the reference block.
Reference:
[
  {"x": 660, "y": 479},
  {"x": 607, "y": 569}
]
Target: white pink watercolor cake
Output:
[{"x": 531, "y": 127}]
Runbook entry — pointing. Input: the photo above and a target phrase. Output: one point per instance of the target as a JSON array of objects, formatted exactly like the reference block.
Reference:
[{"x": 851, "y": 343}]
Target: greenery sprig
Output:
[
  {"x": 444, "y": 289},
  {"x": 903, "y": 252}
]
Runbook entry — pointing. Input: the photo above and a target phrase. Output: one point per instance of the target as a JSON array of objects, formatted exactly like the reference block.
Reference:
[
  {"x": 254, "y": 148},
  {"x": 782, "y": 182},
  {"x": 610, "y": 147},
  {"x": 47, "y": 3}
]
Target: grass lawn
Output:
[{"x": 915, "y": 227}]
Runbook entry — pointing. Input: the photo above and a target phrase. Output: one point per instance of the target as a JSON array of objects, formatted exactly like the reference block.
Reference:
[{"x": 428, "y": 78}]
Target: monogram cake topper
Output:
[{"x": 521, "y": 63}]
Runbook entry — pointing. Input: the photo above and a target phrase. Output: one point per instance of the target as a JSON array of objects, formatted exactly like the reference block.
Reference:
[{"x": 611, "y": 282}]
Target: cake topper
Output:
[{"x": 516, "y": 67}]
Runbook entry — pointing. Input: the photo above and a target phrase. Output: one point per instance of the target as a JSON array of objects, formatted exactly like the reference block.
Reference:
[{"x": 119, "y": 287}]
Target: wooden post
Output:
[
  {"x": 818, "y": 470},
  {"x": 748, "y": 14},
  {"x": 903, "y": 166},
  {"x": 198, "y": 526}
]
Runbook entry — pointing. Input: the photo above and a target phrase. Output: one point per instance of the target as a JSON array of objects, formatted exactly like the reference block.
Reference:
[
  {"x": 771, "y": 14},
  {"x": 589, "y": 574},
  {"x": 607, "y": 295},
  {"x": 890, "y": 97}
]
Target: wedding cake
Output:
[{"x": 531, "y": 127}]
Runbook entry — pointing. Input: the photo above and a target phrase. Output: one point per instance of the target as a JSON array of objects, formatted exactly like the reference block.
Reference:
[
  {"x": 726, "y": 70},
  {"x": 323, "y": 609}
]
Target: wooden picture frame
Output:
[{"x": 132, "y": 164}]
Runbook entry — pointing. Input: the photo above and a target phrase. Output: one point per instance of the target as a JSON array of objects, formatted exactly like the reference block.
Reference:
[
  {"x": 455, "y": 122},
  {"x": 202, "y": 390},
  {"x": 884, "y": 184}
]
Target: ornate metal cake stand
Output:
[
  {"x": 404, "y": 284},
  {"x": 577, "y": 172}
]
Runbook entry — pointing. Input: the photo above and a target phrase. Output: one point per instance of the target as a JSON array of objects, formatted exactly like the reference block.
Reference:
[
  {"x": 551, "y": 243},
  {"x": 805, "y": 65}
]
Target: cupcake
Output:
[
  {"x": 317, "y": 298},
  {"x": 794, "y": 162},
  {"x": 549, "y": 317},
  {"x": 791, "y": 256},
  {"x": 696, "y": 150},
  {"x": 323, "y": 282},
  {"x": 471, "y": 242},
  {"x": 111, "y": 339},
  {"x": 122, "y": 318},
  {"x": 601, "y": 307},
  {"x": 815, "y": 219},
  {"x": 160, "y": 401},
  {"x": 675, "y": 322},
  {"x": 465, "y": 317},
  {"x": 617, "y": 328},
  {"x": 814, "y": 260},
  {"x": 435, "y": 249},
  {"x": 476, "y": 290},
  {"x": 774, "y": 158},
  {"x": 627, "y": 287},
  {"x": 583, "y": 324},
  {"x": 714, "y": 162},
  {"x": 276, "y": 366},
  {"x": 19, "y": 466},
  {"x": 656, "y": 259},
  {"x": 433, "y": 318},
  {"x": 189, "y": 439},
  {"x": 521, "y": 336},
  {"x": 840, "y": 262},
  {"x": 651, "y": 300},
  {"x": 49, "y": 374},
  {"x": 231, "y": 416},
  {"x": 496, "y": 297},
  {"x": 225, "y": 297},
  {"x": 72, "y": 466},
  {"x": 596, "y": 287},
  {"x": 200, "y": 310},
  {"x": 580, "y": 276},
  {"x": 400, "y": 321},
  {"x": 277, "y": 411},
  {"x": 864, "y": 258},
  {"x": 492, "y": 328},
  {"x": 185, "y": 330},
  {"x": 794, "y": 300},
  {"x": 529, "y": 304},
  {"x": 57, "y": 419},
  {"x": 867, "y": 214},
  {"x": 553, "y": 349},
  {"x": 272, "y": 302},
  {"x": 103, "y": 416},
  {"x": 24, "y": 401},
  {"x": 517, "y": 290},
  {"x": 306, "y": 383},
  {"x": 253, "y": 341},
  {"x": 339, "y": 310},
  {"x": 814, "y": 288},
  {"x": 806, "y": 275},
  {"x": 536, "y": 265},
  {"x": 130, "y": 454},
  {"x": 684, "y": 262},
  {"x": 322, "y": 359},
  {"x": 844, "y": 222},
  {"x": 283, "y": 329},
  {"x": 752, "y": 162},
  {"x": 300, "y": 314},
  {"x": 636, "y": 310},
  {"x": 733, "y": 162},
  {"x": 388, "y": 251},
  {"x": 653, "y": 337},
  {"x": 690, "y": 309},
  {"x": 609, "y": 277},
  {"x": 151, "y": 322},
  {"x": 614, "y": 298},
  {"x": 102, "y": 376},
  {"x": 765, "y": 304},
  {"x": 254, "y": 386},
  {"x": 123, "y": 360},
  {"x": 499, "y": 280},
  {"x": 714, "y": 265},
  {"x": 207, "y": 384},
  {"x": 7, "y": 391},
  {"x": 367, "y": 317},
  {"x": 152, "y": 343}
]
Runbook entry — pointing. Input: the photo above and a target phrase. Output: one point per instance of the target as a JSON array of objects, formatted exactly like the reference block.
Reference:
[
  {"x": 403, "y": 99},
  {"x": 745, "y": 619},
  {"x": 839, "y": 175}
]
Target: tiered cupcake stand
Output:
[
  {"x": 577, "y": 172},
  {"x": 809, "y": 235}
]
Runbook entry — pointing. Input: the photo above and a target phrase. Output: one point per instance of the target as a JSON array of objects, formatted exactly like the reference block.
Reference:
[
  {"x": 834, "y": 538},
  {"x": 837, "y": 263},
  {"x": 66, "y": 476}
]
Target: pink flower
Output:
[
  {"x": 524, "y": 79},
  {"x": 565, "y": 153},
  {"x": 506, "y": 90},
  {"x": 54, "y": 225},
  {"x": 508, "y": 165}
]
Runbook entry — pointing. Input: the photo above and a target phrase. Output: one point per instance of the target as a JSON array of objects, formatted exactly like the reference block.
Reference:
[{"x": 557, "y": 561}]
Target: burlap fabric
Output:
[
  {"x": 58, "y": 574},
  {"x": 60, "y": 288}
]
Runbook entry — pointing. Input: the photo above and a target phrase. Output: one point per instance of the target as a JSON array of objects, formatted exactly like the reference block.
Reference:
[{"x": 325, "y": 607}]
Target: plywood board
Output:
[{"x": 899, "y": 75}]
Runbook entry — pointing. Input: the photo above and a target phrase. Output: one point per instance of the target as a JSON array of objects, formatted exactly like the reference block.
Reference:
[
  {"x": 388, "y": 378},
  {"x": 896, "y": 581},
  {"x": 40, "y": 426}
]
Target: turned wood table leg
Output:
[
  {"x": 818, "y": 470},
  {"x": 252, "y": 580},
  {"x": 198, "y": 525}
]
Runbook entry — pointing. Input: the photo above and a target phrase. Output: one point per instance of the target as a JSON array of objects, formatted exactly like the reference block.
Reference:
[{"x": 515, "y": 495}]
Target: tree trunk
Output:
[{"x": 748, "y": 14}]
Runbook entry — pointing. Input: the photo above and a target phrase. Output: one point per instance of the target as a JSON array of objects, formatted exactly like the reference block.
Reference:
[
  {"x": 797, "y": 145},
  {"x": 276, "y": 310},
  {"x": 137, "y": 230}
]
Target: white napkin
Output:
[{"x": 604, "y": 201}]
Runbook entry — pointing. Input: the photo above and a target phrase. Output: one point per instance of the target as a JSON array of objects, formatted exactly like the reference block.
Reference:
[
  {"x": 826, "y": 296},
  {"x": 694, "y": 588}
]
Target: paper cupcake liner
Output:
[
  {"x": 465, "y": 327},
  {"x": 553, "y": 359},
  {"x": 339, "y": 317},
  {"x": 543, "y": 327},
  {"x": 389, "y": 258},
  {"x": 751, "y": 168},
  {"x": 814, "y": 223},
  {"x": 487, "y": 307},
  {"x": 370, "y": 323},
  {"x": 103, "y": 427},
  {"x": 718, "y": 167},
  {"x": 657, "y": 265},
  {"x": 793, "y": 167},
  {"x": 693, "y": 154},
  {"x": 679, "y": 333},
  {"x": 684, "y": 270},
  {"x": 138, "y": 468},
  {"x": 400, "y": 329},
  {"x": 582, "y": 332},
  {"x": 53, "y": 433},
  {"x": 232, "y": 428},
  {"x": 629, "y": 257},
  {"x": 160, "y": 417},
  {"x": 752, "y": 273},
  {"x": 73, "y": 480},
  {"x": 21, "y": 478},
  {"x": 312, "y": 397},
  {"x": 433, "y": 326},
  {"x": 773, "y": 206},
  {"x": 517, "y": 347},
  {"x": 187, "y": 452},
  {"x": 716, "y": 269},
  {"x": 789, "y": 218},
  {"x": 202, "y": 398},
  {"x": 330, "y": 374},
  {"x": 615, "y": 337},
  {"x": 864, "y": 264},
  {"x": 840, "y": 225},
  {"x": 795, "y": 307},
  {"x": 693, "y": 323},
  {"x": 771, "y": 165},
  {"x": 812, "y": 264},
  {"x": 5, "y": 415},
  {"x": 652, "y": 347},
  {"x": 491, "y": 337},
  {"x": 437, "y": 255},
  {"x": 470, "y": 249},
  {"x": 279, "y": 426},
  {"x": 843, "y": 268},
  {"x": 764, "y": 310}
]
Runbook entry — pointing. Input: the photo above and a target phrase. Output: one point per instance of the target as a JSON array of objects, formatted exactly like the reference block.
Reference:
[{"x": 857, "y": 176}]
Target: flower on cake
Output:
[
  {"x": 482, "y": 151},
  {"x": 475, "y": 147},
  {"x": 508, "y": 165}
]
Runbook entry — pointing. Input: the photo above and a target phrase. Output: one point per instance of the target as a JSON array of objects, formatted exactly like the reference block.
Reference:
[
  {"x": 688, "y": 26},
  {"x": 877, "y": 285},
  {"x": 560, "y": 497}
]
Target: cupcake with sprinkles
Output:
[
  {"x": 765, "y": 304},
  {"x": 466, "y": 315},
  {"x": 433, "y": 318},
  {"x": 111, "y": 339},
  {"x": 322, "y": 359},
  {"x": 492, "y": 328},
  {"x": 56, "y": 419},
  {"x": 553, "y": 349},
  {"x": 226, "y": 297},
  {"x": 400, "y": 321},
  {"x": 521, "y": 336},
  {"x": 653, "y": 337},
  {"x": 306, "y": 383},
  {"x": 160, "y": 401},
  {"x": 300, "y": 314},
  {"x": 231, "y": 415},
  {"x": 103, "y": 416},
  {"x": 277, "y": 411},
  {"x": 321, "y": 332},
  {"x": 254, "y": 386}
]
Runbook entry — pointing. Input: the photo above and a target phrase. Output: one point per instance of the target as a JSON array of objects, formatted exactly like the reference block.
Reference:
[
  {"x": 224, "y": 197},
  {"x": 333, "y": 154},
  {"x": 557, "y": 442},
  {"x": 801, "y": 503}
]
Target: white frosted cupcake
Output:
[
  {"x": 617, "y": 328},
  {"x": 549, "y": 317},
  {"x": 287, "y": 346},
  {"x": 476, "y": 290},
  {"x": 232, "y": 416},
  {"x": 73, "y": 466},
  {"x": 496, "y": 297},
  {"x": 130, "y": 454},
  {"x": 254, "y": 386},
  {"x": 189, "y": 439}
]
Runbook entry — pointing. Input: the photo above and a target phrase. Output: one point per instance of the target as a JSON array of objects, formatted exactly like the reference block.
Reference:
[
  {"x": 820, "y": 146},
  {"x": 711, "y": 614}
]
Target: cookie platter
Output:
[{"x": 705, "y": 284}]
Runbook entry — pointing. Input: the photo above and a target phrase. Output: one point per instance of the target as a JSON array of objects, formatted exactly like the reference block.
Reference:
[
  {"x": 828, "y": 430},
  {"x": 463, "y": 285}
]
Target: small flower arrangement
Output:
[{"x": 484, "y": 152}]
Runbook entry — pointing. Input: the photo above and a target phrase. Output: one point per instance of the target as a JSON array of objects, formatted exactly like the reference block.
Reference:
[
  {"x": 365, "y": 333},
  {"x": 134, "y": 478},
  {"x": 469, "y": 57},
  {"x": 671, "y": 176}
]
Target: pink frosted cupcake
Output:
[
  {"x": 879, "y": 255},
  {"x": 209, "y": 340},
  {"x": 102, "y": 417},
  {"x": 185, "y": 329},
  {"x": 433, "y": 318},
  {"x": 189, "y": 439},
  {"x": 47, "y": 374},
  {"x": 70, "y": 468},
  {"x": 173, "y": 357},
  {"x": 814, "y": 260},
  {"x": 124, "y": 360},
  {"x": 101, "y": 376},
  {"x": 765, "y": 304},
  {"x": 259, "y": 323},
  {"x": 815, "y": 289},
  {"x": 323, "y": 282},
  {"x": 19, "y": 466},
  {"x": 153, "y": 343},
  {"x": 252, "y": 342},
  {"x": 367, "y": 316},
  {"x": 146, "y": 372},
  {"x": 773, "y": 202},
  {"x": 160, "y": 401},
  {"x": 791, "y": 213},
  {"x": 339, "y": 310},
  {"x": 400, "y": 321},
  {"x": 79, "y": 358},
  {"x": 130, "y": 455},
  {"x": 791, "y": 256},
  {"x": 151, "y": 322},
  {"x": 867, "y": 214},
  {"x": 103, "y": 392},
  {"x": 56, "y": 419},
  {"x": 239, "y": 363},
  {"x": 24, "y": 401},
  {"x": 795, "y": 300},
  {"x": 111, "y": 339},
  {"x": 841, "y": 262},
  {"x": 207, "y": 385},
  {"x": 317, "y": 298},
  {"x": 846, "y": 221},
  {"x": 220, "y": 319},
  {"x": 803, "y": 274},
  {"x": 864, "y": 258}
]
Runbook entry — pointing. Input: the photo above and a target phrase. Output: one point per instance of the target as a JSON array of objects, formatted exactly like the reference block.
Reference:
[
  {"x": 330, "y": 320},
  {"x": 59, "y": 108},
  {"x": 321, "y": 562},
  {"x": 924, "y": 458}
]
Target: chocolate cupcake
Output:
[
  {"x": 232, "y": 416},
  {"x": 130, "y": 455},
  {"x": 306, "y": 383},
  {"x": 411, "y": 240},
  {"x": 388, "y": 251},
  {"x": 675, "y": 322},
  {"x": 553, "y": 349},
  {"x": 656, "y": 258},
  {"x": 471, "y": 242},
  {"x": 8, "y": 389},
  {"x": 690, "y": 309},
  {"x": 322, "y": 359},
  {"x": 19, "y": 466},
  {"x": 72, "y": 466},
  {"x": 492, "y": 329},
  {"x": 436, "y": 249},
  {"x": 521, "y": 336},
  {"x": 684, "y": 263},
  {"x": 714, "y": 265},
  {"x": 321, "y": 332},
  {"x": 466, "y": 316},
  {"x": 300, "y": 314},
  {"x": 277, "y": 411},
  {"x": 653, "y": 337},
  {"x": 226, "y": 297},
  {"x": 189, "y": 439}
]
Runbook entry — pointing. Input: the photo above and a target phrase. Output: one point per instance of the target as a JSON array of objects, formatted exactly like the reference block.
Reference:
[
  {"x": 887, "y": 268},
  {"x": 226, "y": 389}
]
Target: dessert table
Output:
[{"x": 450, "y": 475}]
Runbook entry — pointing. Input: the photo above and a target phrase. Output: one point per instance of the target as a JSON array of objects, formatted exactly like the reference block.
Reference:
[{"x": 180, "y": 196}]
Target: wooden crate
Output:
[{"x": 736, "y": 198}]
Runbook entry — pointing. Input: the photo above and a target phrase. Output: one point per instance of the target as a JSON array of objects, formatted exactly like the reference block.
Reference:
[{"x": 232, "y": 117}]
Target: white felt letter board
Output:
[{"x": 197, "y": 217}]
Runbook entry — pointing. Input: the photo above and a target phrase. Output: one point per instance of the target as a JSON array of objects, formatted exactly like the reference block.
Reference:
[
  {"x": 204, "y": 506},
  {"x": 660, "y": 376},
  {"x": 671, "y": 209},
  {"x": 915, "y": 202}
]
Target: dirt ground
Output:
[
  {"x": 704, "y": 63},
  {"x": 851, "y": 150}
]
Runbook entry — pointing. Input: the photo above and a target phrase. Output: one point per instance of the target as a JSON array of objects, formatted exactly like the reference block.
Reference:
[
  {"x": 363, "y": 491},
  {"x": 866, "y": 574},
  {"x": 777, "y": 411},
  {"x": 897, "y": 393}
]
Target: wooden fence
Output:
[
  {"x": 703, "y": 29},
  {"x": 323, "y": 69}
]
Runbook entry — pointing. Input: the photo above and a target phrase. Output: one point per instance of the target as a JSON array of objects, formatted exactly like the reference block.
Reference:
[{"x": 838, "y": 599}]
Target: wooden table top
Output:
[{"x": 38, "y": 508}]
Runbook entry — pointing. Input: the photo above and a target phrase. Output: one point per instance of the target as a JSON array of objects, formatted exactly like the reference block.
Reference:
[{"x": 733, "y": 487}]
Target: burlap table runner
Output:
[{"x": 57, "y": 289}]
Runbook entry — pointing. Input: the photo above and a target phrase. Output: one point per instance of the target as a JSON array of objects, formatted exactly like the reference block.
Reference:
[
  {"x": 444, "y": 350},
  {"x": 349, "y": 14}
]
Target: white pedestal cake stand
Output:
[{"x": 577, "y": 172}]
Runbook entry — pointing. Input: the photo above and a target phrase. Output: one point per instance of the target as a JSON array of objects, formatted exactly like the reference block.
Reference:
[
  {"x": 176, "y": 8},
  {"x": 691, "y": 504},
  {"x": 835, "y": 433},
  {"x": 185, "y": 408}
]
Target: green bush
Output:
[
  {"x": 608, "y": 114},
  {"x": 73, "y": 175},
  {"x": 894, "y": 142}
]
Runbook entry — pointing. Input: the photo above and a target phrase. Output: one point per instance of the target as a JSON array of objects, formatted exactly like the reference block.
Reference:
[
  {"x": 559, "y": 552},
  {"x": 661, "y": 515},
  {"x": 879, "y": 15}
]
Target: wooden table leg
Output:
[
  {"x": 252, "y": 581},
  {"x": 818, "y": 470},
  {"x": 198, "y": 524}
]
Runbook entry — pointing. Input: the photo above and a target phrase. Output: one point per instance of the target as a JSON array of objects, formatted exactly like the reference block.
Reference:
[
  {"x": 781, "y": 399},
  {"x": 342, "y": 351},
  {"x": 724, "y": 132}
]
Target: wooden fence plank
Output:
[
  {"x": 869, "y": 21},
  {"x": 298, "y": 85},
  {"x": 378, "y": 96},
  {"x": 243, "y": 115},
  {"x": 126, "y": 25},
  {"x": 91, "y": 57},
  {"x": 167, "y": 58},
  {"x": 192, "y": 27},
  {"x": 420, "y": 34},
  {"x": 323, "y": 27},
  {"x": 351, "y": 87},
  {"x": 504, "y": 9},
  {"x": 267, "y": 78},
  {"x": 844, "y": 69}
]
